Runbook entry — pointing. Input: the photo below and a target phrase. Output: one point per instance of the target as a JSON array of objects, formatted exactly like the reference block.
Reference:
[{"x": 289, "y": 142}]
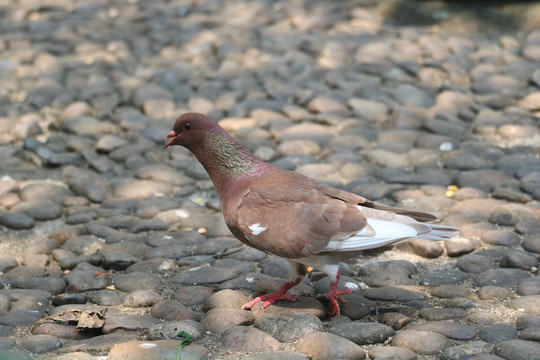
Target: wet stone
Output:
[
  {"x": 496, "y": 333},
  {"x": 421, "y": 342},
  {"x": 363, "y": 333},
  {"x": 321, "y": 345}
]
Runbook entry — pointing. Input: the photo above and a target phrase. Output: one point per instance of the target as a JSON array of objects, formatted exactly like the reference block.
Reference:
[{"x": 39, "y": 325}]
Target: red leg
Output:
[
  {"x": 334, "y": 295},
  {"x": 275, "y": 296}
]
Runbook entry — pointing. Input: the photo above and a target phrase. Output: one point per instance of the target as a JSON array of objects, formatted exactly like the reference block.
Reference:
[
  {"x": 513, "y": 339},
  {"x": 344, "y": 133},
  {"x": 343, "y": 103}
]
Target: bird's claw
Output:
[
  {"x": 268, "y": 299},
  {"x": 334, "y": 296}
]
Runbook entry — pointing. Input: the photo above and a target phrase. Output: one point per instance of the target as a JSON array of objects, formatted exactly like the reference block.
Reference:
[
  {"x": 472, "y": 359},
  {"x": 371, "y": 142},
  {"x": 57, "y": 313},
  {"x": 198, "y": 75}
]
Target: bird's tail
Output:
[{"x": 439, "y": 232}]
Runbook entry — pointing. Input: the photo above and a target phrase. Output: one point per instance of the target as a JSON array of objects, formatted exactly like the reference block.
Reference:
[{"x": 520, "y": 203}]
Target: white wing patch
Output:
[
  {"x": 256, "y": 229},
  {"x": 384, "y": 233}
]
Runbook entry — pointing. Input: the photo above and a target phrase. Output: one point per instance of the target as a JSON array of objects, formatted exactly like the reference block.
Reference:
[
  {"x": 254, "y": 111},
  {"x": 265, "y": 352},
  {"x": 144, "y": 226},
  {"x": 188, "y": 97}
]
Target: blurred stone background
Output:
[{"x": 426, "y": 105}]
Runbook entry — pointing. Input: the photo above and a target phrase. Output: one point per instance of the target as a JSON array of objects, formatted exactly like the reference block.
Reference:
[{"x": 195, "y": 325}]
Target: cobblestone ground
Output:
[{"x": 111, "y": 246}]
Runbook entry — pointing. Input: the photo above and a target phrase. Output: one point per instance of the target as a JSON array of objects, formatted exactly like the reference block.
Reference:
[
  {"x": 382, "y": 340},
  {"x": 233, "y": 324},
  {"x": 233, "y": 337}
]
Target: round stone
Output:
[
  {"x": 288, "y": 328},
  {"x": 322, "y": 345},
  {"x": 363, "y": 333},
  {"x": 421, "y": 342},
  {"x": 16, "y": 221}
]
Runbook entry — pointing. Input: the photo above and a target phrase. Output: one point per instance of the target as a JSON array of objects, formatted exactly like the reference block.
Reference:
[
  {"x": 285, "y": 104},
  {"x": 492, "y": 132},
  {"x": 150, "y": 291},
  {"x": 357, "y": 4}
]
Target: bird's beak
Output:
[{"x": 169, "y": 139}]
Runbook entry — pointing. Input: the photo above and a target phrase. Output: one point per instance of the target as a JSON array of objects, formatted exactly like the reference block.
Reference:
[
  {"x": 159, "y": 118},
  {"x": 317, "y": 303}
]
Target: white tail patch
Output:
[{"x": 256, "y": 229}]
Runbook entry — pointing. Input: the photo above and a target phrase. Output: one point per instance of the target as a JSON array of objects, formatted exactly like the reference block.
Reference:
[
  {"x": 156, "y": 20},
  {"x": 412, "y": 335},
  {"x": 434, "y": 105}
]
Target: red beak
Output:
[{"x": 169, "y": 139}]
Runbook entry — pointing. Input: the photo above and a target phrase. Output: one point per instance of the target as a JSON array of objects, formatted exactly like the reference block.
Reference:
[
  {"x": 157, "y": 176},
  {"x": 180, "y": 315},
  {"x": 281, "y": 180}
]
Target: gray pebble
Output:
[
  {"x": 421, "y": 342},
  {"x": 518, "y": 350},
  {"x": 288, "y": 327},
  {"x": 363, "y": 333},
  {"x": 496, "y": 333},
  {"x": 39, "y": 344},
  {"x": 16, "y": 221},
  {"x": 321, "y": 345},
  {"x": 390, "y": 293}
]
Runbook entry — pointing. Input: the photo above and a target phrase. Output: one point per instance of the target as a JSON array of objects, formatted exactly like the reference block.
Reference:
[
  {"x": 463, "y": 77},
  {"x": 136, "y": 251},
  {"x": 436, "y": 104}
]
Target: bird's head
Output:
[{"x": 188, "y": 130}]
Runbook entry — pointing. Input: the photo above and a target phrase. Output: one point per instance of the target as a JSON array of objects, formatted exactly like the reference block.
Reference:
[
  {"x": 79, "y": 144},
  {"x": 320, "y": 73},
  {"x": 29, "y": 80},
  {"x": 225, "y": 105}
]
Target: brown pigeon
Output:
[{"x": 293, "y": 216}]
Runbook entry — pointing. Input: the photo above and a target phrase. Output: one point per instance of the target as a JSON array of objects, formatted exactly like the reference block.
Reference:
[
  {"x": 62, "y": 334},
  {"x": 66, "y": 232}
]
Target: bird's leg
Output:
[
  {"x": 279, "y": 294},
  {"x": 298, "y": 271},
  {"x": 334, "y": 295}
]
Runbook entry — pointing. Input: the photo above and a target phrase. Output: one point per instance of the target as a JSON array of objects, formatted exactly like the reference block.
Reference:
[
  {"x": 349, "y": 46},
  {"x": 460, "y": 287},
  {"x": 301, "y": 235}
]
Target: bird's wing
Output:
[
  {"x": 298, "y": 217},
  {"x": 293, "y": 220}
]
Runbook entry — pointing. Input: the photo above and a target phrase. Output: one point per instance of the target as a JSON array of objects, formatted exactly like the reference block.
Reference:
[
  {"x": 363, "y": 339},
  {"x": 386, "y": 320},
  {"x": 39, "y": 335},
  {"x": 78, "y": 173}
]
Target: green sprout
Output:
[{"x": 186, "y": 340}]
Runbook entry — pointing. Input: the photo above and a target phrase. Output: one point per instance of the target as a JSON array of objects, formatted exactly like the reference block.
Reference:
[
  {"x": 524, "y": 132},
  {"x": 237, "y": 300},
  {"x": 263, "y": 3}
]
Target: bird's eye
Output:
[{"x": 186, "y": 127}]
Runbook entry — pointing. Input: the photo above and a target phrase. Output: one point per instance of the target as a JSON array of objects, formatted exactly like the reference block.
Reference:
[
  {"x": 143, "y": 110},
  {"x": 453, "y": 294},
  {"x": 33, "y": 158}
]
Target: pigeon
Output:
[{"x": 292, "y": 216}]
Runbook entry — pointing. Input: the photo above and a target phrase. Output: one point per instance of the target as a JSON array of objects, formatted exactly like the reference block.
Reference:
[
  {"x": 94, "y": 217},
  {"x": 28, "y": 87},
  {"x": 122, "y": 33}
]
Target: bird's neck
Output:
[{"x": 227, "y": 161}]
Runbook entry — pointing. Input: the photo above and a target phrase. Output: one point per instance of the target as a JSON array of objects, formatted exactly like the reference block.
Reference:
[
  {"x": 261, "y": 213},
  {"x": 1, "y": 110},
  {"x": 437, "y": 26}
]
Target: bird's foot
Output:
[
  {"x": 271, "y": 298},
  {"x": 334, "y": 295}
]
